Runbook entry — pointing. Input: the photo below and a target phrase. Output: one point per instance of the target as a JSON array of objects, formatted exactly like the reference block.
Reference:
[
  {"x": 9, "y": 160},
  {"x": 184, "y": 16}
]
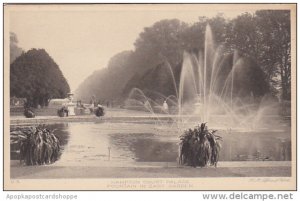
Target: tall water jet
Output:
[
  {"x": 215, "y": 87},
  {"x": 207, "y": 86},
  {"x": 173, "y": 76},
  {"x": 199, "y": 88},
  {"x": 187, "y": 84},
  {"x": 208, "y": 54}
]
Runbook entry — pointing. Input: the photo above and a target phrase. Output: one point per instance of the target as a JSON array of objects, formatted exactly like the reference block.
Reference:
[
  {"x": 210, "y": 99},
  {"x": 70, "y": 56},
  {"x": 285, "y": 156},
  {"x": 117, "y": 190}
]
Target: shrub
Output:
[
  {"x": 62, "y": 111},
  {"x": 199, "y": 147},
  {"x": 38, "y": 145},
  {"x": 99, "y": 111},
  {"x": 29, "y": 113}
]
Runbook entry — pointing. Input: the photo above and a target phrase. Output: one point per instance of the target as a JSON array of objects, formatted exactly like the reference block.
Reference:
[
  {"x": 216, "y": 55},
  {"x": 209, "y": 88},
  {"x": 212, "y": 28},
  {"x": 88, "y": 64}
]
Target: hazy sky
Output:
[{"x": 83, "y": 40}]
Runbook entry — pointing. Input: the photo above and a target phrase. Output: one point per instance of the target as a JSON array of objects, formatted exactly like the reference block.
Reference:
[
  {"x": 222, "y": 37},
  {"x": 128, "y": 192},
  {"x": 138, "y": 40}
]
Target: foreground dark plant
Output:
[
  {"x": 199, "y": 147},
  {"x": 38, "y": 145}
]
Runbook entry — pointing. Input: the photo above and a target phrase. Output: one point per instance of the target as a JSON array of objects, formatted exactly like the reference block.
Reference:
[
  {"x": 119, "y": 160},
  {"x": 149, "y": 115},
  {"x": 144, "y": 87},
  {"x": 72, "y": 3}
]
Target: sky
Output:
[{"x": 82, "y": 39}]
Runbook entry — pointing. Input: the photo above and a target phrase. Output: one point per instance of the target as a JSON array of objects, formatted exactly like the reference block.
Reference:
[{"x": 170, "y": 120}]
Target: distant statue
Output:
[{"x": 165, "y": 107}]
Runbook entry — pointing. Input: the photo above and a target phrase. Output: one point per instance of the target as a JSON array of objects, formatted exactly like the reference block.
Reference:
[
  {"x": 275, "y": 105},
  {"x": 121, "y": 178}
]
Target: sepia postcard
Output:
[{"x": 149, "y": 97}]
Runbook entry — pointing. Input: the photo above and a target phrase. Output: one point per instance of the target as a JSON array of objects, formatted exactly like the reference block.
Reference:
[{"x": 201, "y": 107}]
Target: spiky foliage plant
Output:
[
  {"x": 38, "y": 145},
  {"x": 199, "y": 147}
]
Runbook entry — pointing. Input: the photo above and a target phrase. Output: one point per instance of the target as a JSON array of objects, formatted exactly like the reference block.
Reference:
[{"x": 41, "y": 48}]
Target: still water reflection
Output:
[{"x": 96, "y": 143}]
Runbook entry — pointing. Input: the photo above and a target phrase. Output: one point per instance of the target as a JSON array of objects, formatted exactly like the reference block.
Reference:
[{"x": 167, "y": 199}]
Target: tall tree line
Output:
[
  {"x": 15, "y": 50},
  {"x": 263, "y": 37}
]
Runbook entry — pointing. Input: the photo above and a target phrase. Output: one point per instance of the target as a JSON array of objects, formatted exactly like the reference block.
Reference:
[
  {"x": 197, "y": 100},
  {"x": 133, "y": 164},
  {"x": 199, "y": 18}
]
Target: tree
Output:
[
  {"x": 35, "y": 76},
  {"x": 265, "y": 37},
  {"x": 262, "y": 39},
  {"x": 194, "y": 35},
  {"x": 15, "y": 51},
  {"x": 242, "y": 35},
  {"x": 156, "y": 44},
  {"x": 162, "y": 41},
  {"x": 275, "y": 52},
  {"x": 107, "y": 83}
]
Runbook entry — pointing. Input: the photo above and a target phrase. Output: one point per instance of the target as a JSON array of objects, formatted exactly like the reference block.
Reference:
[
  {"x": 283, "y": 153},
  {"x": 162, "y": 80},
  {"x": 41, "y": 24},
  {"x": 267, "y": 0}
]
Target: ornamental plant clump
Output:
[
  {"x": 99, "y": 111},
  {"x": 199, "y": 147},
  {"x": 29, "y": 113},
  {"x": 38, "y": 145},
  {"x": 63, "y": 112}
]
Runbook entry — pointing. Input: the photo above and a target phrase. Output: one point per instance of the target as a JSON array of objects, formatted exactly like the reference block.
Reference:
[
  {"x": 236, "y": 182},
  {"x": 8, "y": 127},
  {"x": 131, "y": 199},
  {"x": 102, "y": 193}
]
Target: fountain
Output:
[{"x": 207, "y": 93}]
